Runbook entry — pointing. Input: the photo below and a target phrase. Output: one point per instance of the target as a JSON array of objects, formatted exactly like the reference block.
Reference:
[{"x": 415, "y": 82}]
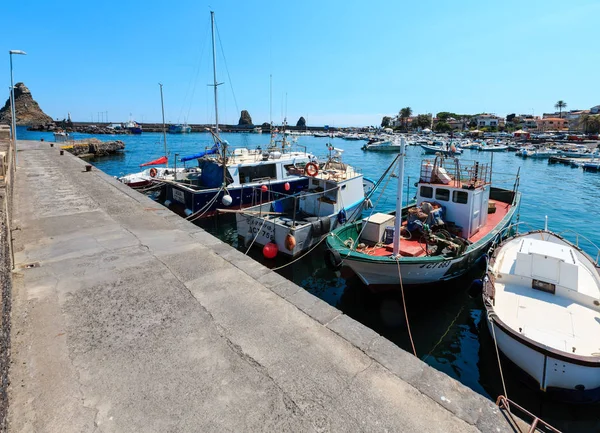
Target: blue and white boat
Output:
[
  {"x": 180, "y": 128},
  {"x": 236, "y": 178},
  {"x": 133, "y": 127}
]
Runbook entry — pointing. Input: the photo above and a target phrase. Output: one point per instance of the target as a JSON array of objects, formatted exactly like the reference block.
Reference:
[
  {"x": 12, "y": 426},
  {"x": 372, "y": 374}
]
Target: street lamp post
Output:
[{"x": 13, "y": 113}]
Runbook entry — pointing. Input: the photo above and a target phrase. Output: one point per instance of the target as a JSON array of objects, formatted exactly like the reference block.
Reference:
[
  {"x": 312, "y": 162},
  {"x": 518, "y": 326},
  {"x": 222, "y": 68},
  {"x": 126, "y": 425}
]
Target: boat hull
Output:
[
  {"x": 564, "y": 379},
  {"x": 261, "y": 232},
  {"x": 417, "y": 271},
  {"x": 432, "y": 150},
  {"x": 186, "y": 201}
]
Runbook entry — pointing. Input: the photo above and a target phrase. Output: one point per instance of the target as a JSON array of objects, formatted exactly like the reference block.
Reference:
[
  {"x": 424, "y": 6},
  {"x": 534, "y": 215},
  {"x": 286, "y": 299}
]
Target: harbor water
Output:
[{"x": 448, "y": 325}]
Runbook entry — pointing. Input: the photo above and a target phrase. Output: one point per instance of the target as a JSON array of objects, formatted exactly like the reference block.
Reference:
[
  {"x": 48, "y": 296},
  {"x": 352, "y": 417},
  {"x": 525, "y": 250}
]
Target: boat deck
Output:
[
  {"x": 416, "y": 248},
  {"x": 558, "y": 322}
]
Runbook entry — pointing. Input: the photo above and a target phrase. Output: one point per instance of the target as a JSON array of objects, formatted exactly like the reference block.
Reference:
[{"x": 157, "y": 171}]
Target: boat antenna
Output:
[
  {"x": 272, "y": 141},
  {"x": 215, "y": 83},
  {"x": 162, "y": 106},
  {"x": 398, "y": 221}
]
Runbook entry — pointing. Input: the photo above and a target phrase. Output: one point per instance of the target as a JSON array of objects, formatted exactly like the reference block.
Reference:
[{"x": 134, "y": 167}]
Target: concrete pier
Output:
[{"x": 126, "y": 318}]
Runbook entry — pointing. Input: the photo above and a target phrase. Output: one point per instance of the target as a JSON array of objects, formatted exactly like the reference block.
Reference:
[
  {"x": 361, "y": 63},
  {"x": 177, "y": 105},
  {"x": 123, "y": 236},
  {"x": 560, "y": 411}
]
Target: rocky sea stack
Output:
[
  {"x": 245, "y": 118},
  {"x": 28, "y": 112}
]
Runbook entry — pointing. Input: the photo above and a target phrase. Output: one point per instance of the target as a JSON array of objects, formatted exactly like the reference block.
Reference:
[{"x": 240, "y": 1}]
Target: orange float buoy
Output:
[
  {"x": 264, "y": 188},
  {"x": 153, "y": 172},
  {"x": 290, "y": 242},
  {"x": 270, "y": 250},
  {"x": 286, "y": 186}
]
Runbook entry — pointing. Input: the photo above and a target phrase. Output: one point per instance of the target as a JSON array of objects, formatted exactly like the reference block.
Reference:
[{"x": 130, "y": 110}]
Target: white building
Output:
[{"x": 488, "y": 120}]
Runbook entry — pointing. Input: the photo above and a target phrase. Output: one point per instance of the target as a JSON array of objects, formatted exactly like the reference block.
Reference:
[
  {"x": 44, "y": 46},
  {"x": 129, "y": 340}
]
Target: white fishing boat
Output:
[
  {"x": 61, "y": 137},
  {"x": 147, "y": 177},
  {"x": 542, "y": 296},
  {"x": 539, "y": 153},
  {"x": 447, "y": 149},
  {"x": 494, "y": 148},
  {"x": 458, "y": 216},
  {"x": 382, "y": 145},
  {"x": 576, "y": 151},
  {"x": 336, "y": 194}
]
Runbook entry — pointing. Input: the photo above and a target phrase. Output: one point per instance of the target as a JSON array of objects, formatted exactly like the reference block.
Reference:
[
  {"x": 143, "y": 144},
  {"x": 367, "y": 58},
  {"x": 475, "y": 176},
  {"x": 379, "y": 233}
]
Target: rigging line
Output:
[
  {"x": 497, "y": 354},
  {"x": 257, "y": 233},
  {"x": 412, "y": 343},
  {"x": 303, "y": 255},
  {"x": 445, "y": 333},
  {"x": 194, "y": 81},
  {"x": 226, "y": 68},
  {"x": 375, "y": 205}
]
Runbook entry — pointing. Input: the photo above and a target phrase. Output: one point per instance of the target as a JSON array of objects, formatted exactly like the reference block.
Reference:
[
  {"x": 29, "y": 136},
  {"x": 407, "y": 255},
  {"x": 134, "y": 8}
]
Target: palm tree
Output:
[
  {"x": 559, "y": 106},
  {"x": 584, "y": 121},
  {"x": 405, "y": 113},
  {"x": 594, "y": 123}
]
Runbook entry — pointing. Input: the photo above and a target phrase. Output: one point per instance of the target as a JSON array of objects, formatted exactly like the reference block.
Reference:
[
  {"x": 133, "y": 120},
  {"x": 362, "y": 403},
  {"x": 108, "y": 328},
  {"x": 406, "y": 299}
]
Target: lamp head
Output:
[{"x": 17, "y": 52}]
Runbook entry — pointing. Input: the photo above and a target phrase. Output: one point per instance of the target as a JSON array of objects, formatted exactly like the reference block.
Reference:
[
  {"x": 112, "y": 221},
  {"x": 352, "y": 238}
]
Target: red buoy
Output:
[
  {"x": 286, "y": 186},
  {"x": 270, "y": 250},
  {"x": 264, "y": 188}
]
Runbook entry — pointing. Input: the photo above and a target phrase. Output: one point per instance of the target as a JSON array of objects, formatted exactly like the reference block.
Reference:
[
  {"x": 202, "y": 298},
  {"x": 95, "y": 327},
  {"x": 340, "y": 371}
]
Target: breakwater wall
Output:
[{"x": 127, "y": 317}]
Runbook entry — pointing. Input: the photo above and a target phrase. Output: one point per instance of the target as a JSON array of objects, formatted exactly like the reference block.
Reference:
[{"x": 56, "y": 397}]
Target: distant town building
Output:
[
  {"x": 489, "y": 120},
  {"x": 527, "y": 122},
  {"x": 553, "y": 124}
]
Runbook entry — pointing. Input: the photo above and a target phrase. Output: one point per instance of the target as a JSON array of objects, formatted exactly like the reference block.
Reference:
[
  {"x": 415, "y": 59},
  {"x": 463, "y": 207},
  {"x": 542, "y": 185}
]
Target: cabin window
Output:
[
  {"x": 460, "y": 197},
  {"x": 543, "y": 286},
  {"x": 258, "y": 172},
  {"x": 426, "y": 192},
  {"x": 292, "y": 170},
  {"x": 442, "y": 194}
]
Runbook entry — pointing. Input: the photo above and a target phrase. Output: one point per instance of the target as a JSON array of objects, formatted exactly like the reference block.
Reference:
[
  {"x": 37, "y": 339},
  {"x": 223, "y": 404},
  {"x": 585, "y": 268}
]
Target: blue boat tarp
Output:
[
  {"x": 211, "y": 175},
  {"x": 210, "y": 151}
]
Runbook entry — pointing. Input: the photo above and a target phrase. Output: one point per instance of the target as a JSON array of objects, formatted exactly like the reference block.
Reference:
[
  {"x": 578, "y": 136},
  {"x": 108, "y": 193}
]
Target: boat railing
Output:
[
  {"x": 472, "y": 173},
  {"x": 536, "y": 423},
  {"x": 513, "y": 229}
]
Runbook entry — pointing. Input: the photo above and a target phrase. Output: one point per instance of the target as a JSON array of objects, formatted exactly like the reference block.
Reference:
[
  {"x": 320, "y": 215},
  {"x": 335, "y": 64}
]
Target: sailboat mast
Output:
[
  {"x": 398, "y": 221},
  {"x": 162, "y": 106},
  {"x": 215, "y": 84}
]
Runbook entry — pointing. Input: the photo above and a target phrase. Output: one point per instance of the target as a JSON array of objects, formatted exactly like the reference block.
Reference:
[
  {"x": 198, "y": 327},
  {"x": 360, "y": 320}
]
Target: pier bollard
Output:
[
  {"x": 88, "y": 167},
  {"x": 62, "y": 152},
  {"x": 51, "y": 144},
  {"x": 41, "y": 139}
]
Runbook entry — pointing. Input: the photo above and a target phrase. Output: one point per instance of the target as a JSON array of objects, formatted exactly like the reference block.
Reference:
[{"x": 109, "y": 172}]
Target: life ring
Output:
[
  {"x": 153, "y": 172},
  {"x": 311, "y": 169}
]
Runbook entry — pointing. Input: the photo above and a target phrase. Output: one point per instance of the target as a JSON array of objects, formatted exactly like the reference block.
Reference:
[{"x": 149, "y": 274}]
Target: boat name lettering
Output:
[
  {"x": 440, "y": 265},
  {"x": 178, "y": 195},
  {"x": 258, "y": 223}
]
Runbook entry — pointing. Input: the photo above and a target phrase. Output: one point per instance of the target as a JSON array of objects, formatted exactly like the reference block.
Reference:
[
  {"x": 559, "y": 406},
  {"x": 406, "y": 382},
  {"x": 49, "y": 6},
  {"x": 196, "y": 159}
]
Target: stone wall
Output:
[{"x": 6, "y": 194}]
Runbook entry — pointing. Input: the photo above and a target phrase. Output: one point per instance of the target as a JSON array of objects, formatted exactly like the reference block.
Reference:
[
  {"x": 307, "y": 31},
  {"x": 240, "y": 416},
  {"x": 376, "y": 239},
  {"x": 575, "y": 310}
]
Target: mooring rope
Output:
[{"x": 412, "y": 343}]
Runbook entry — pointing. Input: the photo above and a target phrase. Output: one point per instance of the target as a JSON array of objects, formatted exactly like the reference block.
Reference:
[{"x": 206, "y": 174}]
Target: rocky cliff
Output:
[{"x": 28, "y": 111}]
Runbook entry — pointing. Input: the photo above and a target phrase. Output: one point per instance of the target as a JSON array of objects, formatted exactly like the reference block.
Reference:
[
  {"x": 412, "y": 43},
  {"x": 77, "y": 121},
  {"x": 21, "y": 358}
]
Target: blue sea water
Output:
[{"x": 447, "y": 331}]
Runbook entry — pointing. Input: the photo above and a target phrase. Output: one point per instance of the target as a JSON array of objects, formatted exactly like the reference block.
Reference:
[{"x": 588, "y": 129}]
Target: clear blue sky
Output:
[{"x": 339, "y": 62}]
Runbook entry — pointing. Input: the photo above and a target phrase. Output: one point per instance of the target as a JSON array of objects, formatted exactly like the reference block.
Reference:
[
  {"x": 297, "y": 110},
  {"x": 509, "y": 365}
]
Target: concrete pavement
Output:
[{"x": 128, "y": 318}]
